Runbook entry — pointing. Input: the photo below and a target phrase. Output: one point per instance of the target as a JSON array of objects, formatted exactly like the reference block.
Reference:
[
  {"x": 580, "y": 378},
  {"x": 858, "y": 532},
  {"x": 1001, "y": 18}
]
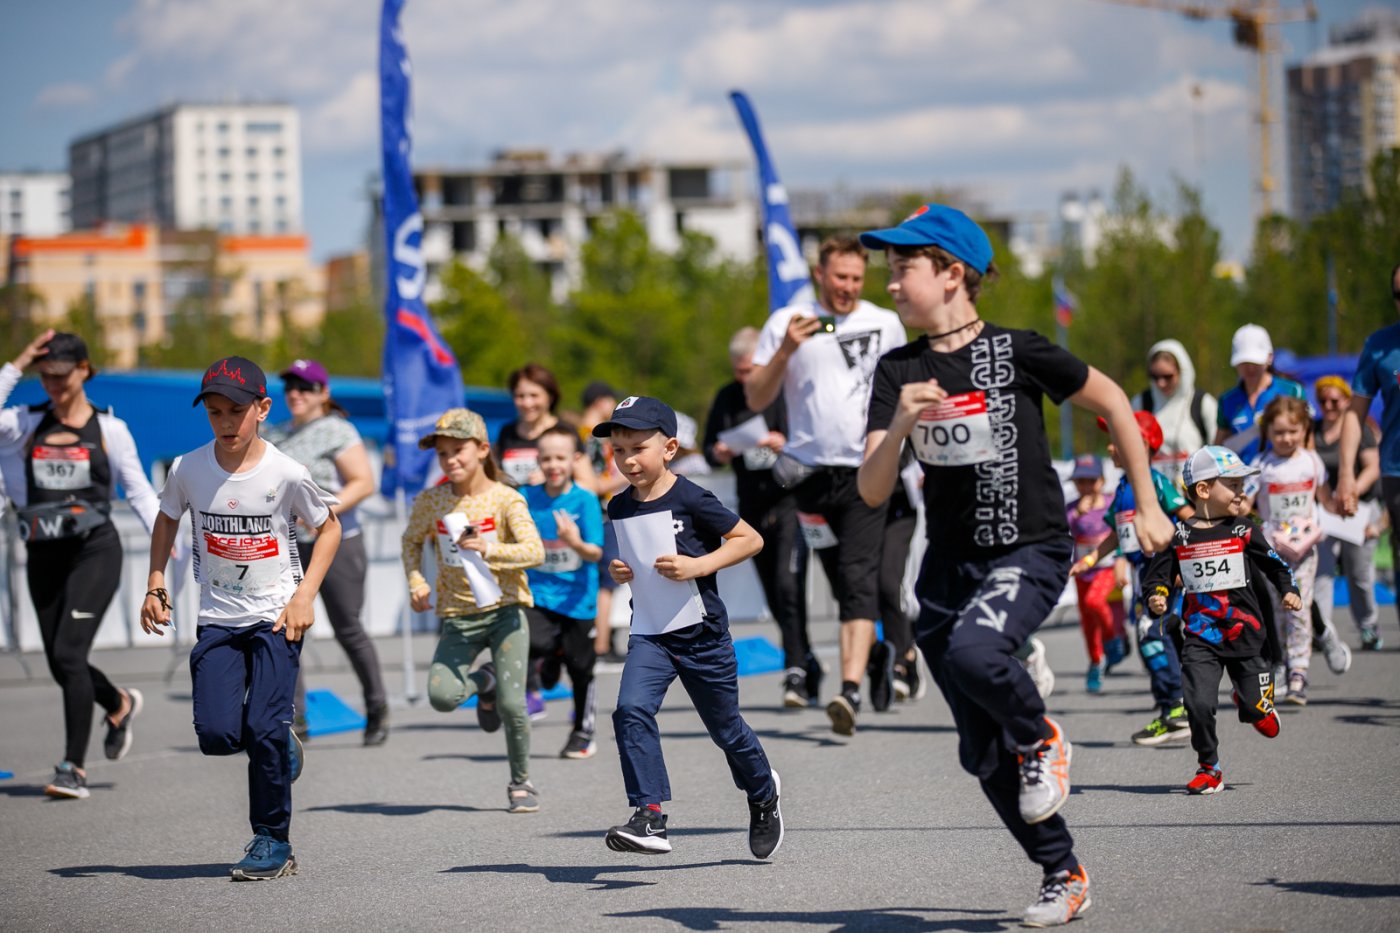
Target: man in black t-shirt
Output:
[
  {"x": 772, "y": 510},
  {"x": 968, "y": 397}
]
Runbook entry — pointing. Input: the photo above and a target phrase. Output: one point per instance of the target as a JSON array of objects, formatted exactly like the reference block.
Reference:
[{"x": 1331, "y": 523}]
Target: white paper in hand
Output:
[
  {"x": 659, "y": 605},
  {"x": 745, "y": 436},
  {"x": 485, "y": 590}
]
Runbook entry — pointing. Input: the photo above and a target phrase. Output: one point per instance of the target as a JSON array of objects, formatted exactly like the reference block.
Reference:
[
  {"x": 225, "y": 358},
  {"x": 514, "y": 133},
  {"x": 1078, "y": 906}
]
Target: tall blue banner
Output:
[
  {"x": 421, "y": 378},
  {"x": 789, "y": 279}
]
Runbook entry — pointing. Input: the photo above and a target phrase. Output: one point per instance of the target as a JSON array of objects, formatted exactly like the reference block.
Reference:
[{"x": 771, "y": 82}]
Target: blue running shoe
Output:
[
  {"x": 1093, "y": 680},
  {"x": 296, "y": 754},
  {"x": 1114, "y": 651},
  {"x": 267, "y": 859}
]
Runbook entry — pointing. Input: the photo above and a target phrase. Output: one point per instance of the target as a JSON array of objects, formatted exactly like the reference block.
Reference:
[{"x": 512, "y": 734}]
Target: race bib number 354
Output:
[
  {"x": 956, "y": 433},
  {"x": 1212, "y": 565}
]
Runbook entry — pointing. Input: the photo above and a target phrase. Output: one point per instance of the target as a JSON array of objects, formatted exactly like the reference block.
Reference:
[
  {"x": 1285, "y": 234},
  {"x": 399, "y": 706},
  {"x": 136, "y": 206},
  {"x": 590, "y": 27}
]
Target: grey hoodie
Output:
[{"x": 1180, "y": 436}]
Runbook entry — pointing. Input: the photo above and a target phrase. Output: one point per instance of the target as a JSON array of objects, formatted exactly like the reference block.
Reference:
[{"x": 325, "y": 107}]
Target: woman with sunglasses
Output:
[
  {"x": 321, "y": 437},
  {"x": 61, "y": 462},
  {"x": 1358, "y": 561},
  {"x": 1187, "y": 414}
]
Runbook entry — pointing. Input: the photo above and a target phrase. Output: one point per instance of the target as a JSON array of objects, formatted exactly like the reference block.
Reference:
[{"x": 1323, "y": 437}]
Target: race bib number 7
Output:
[
  {"x": 247, "y": 566},
  {"x": 1212, "y": 566},
  {"x": 956, "y": 433}
]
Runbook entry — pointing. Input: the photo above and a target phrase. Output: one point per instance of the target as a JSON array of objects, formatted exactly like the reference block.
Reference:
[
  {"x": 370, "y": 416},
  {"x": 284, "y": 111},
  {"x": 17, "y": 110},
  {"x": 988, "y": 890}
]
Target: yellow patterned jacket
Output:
[{"x": 513, "y": 544}]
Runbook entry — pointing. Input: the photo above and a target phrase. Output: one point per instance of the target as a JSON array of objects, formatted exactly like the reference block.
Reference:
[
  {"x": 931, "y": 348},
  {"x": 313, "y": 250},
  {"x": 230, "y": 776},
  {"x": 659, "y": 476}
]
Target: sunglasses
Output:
[
  {"x": 1161, "y": 377},
  {"x": 293, "y": 384}
]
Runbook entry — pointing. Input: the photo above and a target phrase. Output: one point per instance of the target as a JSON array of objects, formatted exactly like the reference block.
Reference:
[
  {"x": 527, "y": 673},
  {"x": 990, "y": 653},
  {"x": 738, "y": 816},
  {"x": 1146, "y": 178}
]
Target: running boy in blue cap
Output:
[
  {"x": 243, "y": 496},
  {"x": 707, "y": 538},
  {"x": 968, "y": 397}
]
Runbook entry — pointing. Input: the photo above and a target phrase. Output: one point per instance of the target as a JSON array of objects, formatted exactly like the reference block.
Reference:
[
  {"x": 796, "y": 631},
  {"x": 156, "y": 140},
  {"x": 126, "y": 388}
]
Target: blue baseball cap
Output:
[
  {"x": 639, "y": 413},
  {"x": 1087, "y": 466},
  {"x": 937, "y": 225},
  {"x": 1213, "y": 462}
]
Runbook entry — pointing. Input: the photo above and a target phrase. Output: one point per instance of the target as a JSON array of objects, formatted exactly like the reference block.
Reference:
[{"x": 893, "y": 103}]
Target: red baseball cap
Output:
[{"x": 1147, "y": 424}]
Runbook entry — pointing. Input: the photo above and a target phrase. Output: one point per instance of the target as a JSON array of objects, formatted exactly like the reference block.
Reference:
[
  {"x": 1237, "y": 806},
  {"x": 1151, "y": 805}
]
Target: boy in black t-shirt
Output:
[
  {"x": 694, "y": 645},
  {"x": 1222, "y": 626},
  {"x": 968, "y": 398}
]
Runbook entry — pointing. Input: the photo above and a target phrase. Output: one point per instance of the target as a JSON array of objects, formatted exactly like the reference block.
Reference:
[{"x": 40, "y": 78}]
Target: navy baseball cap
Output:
[
  {"x": 937, "y": 225},
  {"x": 235, "y": 378},
  {"x": 639, "y": 413},
  {"x": 1087, "y": 466}
]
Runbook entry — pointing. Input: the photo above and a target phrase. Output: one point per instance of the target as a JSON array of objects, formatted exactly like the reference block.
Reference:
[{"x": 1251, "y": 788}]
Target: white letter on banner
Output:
[
  {"x": 407, "y": 254},
  {"x": 792, "y": 266},
  {"x": 777, "y": 194}
]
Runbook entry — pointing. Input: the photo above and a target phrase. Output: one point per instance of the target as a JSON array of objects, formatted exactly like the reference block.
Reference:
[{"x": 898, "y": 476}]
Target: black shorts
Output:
[
  {"x": 853, "y": 564},
  {"x": 552, "y": 633}
]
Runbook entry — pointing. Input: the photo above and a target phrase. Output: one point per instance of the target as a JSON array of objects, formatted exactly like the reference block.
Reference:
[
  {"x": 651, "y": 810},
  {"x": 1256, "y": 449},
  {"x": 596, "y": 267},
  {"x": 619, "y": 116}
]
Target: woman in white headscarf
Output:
[{"x": 1187, "y": 414}]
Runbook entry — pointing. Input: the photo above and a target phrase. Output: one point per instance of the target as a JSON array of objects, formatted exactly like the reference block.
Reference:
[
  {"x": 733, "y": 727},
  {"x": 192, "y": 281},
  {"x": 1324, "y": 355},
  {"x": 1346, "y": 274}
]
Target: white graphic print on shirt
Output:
[{"x": 998, "y": 480}]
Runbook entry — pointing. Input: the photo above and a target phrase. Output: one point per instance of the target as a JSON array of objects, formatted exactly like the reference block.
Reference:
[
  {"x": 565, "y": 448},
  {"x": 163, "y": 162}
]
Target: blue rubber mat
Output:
[
  {"x": 757, "y": 655},
  {"x": 6, "y": 775},
  {"x": 560, "y": 691},
  {"x": 1385, "y": 596},
  {"x": 327, "y": 714}
]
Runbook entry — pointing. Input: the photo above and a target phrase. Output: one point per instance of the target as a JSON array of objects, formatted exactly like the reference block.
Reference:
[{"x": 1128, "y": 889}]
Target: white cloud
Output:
[{"x": 64, "y": 94}]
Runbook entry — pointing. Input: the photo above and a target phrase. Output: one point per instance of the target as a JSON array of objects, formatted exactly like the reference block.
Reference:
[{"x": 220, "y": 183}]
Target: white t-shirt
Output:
[
  {"x": 1288, "y": 486},
  {"x": 245, "y": 558},
  {"x": 826, "y": 385}
]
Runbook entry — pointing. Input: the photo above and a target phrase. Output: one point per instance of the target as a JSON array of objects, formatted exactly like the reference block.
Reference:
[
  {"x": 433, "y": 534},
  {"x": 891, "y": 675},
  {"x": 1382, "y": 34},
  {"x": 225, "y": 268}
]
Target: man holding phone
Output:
[{"x": 820, "y": 356}]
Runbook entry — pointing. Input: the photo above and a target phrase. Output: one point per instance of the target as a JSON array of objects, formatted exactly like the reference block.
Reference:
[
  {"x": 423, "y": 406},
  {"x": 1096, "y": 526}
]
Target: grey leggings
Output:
[{"x": 343, "y": 592}]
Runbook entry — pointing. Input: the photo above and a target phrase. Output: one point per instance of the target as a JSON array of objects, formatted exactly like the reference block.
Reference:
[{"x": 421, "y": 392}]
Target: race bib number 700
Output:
[
  {"x": 1212, "y": 565},
  {"x": 957, "y": 432}
]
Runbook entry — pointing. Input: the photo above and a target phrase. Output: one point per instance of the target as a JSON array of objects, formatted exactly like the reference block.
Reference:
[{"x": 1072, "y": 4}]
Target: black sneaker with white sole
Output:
[
  {"x": 68, "y": 782},
  {"x": 118, "y": 741},
  {"x": 644, "y": 832},
  {"x": 842, "y": 712},
  {"x": 795, "y": 694},
  {"x": 766, "y": 823},
  {"x": 580, "y": 745}
]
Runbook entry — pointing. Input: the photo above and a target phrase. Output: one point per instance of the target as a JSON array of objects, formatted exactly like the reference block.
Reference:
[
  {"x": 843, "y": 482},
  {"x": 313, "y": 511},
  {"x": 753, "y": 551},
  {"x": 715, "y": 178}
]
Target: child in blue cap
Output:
[{"x": 967, "y": 395}]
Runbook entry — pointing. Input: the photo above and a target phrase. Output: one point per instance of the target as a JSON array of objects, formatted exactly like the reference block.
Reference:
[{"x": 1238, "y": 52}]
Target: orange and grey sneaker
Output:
[
  {"x": 1208, "y": 780},
  {"x": 1063, "y": 896},
  {"x": 1045, "y": 776}
]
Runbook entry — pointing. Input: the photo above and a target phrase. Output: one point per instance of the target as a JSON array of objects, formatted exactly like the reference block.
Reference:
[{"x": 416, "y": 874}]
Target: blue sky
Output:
[{"x": 1014, "y": 100}]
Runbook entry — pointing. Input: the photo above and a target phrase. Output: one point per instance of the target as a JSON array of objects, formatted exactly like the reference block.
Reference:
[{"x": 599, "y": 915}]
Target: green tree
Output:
[{"x": 485, "y": 332}]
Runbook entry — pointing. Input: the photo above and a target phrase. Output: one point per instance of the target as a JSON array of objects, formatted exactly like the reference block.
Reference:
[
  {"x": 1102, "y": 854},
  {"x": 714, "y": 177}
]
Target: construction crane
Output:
[{"x": 1256, "y": 29}]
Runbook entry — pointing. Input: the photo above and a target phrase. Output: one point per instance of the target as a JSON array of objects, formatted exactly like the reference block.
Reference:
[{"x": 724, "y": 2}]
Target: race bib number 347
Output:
[
  {"x": 955, "y": 433},
  {"x": 1212, "y": 565}
]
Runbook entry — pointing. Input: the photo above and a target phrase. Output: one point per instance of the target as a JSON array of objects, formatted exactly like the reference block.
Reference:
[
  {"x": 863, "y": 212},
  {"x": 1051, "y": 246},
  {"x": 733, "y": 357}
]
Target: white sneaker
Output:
[
  {"x": 1337, "y": 651},
  {"x": 1280, "y": 682},
  {"x": 1039, "y": 669},
  {"x": 1045, "y": 776},
  {"x": 1063, "y": 896}
]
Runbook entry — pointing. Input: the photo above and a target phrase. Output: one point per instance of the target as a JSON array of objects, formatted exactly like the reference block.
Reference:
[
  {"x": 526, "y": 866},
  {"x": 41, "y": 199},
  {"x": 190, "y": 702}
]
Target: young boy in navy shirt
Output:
[{"x": 708, "y": 538}]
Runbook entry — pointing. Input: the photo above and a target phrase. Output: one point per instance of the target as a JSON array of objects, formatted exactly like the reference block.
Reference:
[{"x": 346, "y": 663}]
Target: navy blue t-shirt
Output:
[{"x": 701, "y": 523}]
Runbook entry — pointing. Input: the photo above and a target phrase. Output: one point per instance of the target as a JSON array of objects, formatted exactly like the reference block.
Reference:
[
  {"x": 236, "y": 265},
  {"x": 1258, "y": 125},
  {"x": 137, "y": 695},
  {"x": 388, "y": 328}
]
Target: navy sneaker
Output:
[
  {"x": 488, "y": 718},
  {"x": 296, "y": 754},
  {"x": 267, "y": 859},
  {"x": 644, "y": 832},
  {"x": 766, "y": 823}
]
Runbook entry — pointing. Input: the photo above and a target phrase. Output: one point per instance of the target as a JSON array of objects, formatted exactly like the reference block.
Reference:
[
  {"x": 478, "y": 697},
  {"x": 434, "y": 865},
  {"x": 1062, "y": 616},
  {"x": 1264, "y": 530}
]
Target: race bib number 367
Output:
[
  {"x": 1212, "y": 565},
  {"x": 956, "y": 433},
  {"x": 62, "y": 467}
]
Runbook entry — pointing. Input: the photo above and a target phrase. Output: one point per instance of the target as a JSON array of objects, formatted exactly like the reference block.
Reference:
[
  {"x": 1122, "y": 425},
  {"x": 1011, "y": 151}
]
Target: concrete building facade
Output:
[
  {"x": 551, "y": 205},
  {"x": 1343, "y": 108},
  {"x": 34, "y": 203},
  {"x": 234, "y": 168}
]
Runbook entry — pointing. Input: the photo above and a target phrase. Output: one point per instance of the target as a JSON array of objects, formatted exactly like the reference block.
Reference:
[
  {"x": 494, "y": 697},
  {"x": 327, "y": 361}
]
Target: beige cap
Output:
[{"x": 461, "y": 423}]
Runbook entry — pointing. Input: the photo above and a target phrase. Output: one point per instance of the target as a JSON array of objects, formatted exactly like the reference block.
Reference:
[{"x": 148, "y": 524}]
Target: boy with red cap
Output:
[{"x": 1156, "y": 639}]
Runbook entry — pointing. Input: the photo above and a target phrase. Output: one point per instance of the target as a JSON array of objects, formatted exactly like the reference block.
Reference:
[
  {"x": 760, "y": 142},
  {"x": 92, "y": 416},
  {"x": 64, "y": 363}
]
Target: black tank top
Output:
[{"x": 57, "y": 472}]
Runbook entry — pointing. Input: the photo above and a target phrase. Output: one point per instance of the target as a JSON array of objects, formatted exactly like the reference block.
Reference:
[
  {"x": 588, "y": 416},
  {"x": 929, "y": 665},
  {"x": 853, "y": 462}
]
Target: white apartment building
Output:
[
  {"x": 550, "y": 205},
  {"x": 33, "y": 203},
  {"x": 234, "y": 168}
]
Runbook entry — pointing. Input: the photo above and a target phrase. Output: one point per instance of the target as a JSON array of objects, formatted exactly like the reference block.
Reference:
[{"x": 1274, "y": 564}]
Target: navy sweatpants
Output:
[
  {"x": 244, "y": 679},
  {"x": 973, "y": 616},
  {"x": 703, "y": 658}
]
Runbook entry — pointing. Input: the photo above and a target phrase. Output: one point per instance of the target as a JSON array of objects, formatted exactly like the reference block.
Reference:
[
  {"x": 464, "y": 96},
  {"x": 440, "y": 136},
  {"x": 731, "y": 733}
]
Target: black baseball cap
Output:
[
  {"x": 235, "y": 378},
  {"x": 596, "y": 390},
  {"x": 67, "y": 348},
  {"x": 639, "y": 413}
]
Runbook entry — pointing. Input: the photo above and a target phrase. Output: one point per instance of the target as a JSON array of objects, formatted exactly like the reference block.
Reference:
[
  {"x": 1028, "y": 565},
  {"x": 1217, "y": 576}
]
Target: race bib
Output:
[
  {"x": 447, "y": 547},
  {"x": 1127, "y": 533},
  {"x": 560, "y": 558},
  {"x": 815, "y": 531},
  {"x": 245, "y": 565},
  {"x": 62, "y": 468},
  {"x": 1212, "y": 565},
  {"x": 1288, "y": 501},
  {"x": 957, "y": 432},
  {"x": 519, "y": 463},
  {"x": 760, "y": 458}
]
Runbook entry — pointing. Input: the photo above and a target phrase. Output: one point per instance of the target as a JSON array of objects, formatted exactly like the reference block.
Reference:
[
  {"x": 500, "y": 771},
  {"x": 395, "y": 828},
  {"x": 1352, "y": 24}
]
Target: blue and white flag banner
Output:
[
  {"x": 789, "y": 279},
  {"x": 421, "y": 378}
]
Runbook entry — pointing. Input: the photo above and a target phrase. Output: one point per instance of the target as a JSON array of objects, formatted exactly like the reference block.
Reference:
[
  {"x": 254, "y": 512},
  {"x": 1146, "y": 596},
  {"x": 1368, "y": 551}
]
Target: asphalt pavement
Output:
[{"x": 884, "y": 831}]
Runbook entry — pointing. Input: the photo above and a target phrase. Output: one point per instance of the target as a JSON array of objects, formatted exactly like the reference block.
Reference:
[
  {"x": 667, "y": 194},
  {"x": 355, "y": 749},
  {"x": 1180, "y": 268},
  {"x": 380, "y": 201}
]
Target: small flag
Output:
[{"x": 1065, "y": 303}]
